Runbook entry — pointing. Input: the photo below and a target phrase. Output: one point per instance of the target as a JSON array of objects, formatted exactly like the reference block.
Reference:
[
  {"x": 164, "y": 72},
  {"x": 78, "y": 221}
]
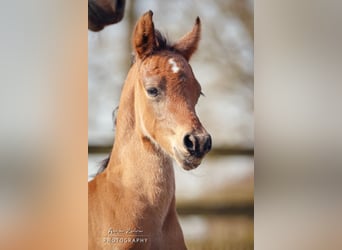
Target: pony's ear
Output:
[
  {"x": 144, "y": 36},
  {"x": 188, "y": 44}
]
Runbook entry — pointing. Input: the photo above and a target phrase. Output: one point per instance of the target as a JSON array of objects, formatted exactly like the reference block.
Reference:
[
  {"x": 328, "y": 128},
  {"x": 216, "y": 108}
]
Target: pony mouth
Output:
[{"x": 186, "y": 161}]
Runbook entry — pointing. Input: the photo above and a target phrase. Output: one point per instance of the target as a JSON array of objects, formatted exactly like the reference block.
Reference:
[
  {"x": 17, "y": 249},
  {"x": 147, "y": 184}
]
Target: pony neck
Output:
[{"x": 142, "y": 166}]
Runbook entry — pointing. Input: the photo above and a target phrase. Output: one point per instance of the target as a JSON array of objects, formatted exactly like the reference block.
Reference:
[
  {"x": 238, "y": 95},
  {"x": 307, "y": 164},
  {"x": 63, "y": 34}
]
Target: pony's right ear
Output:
[{"x": 144, "y": 36}]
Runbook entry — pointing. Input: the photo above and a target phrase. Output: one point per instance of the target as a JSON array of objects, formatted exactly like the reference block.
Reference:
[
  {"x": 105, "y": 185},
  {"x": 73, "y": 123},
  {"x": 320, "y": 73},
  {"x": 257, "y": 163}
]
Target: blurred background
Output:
[{"x": 215, "y": 201}]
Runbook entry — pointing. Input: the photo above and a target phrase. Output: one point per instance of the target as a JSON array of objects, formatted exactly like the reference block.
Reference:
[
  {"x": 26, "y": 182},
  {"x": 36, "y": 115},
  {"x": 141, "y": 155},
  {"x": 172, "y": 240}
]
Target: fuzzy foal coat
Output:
[{"x": 137, "y": 189}]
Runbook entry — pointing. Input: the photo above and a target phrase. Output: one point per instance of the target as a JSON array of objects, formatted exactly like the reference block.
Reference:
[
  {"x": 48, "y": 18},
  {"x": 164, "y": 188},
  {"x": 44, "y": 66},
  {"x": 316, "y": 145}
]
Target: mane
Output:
[
  {"x": 162, "y": 44},
  {"x": 104, "y": 163}
]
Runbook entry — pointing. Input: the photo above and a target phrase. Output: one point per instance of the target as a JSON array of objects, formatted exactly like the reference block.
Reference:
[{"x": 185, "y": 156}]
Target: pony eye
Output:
[{"x": 152, "y": 92}]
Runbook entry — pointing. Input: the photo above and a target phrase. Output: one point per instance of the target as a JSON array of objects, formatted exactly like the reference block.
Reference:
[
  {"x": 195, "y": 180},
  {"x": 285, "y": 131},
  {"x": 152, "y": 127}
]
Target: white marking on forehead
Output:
[{"x": 174, "y": 65}]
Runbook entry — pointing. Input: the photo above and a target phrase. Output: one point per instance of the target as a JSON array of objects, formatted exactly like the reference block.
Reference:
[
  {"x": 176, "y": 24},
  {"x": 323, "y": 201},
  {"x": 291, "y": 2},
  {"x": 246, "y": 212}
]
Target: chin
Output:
[
  {"x": 189, "y": 166},
  {"x": 186, "y": 161}
]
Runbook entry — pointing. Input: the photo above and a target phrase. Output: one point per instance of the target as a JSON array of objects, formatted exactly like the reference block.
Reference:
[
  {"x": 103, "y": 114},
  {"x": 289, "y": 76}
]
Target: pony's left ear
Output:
[
  {"x": 144, "y": 36},
  {"x": 188, "y": 44}
]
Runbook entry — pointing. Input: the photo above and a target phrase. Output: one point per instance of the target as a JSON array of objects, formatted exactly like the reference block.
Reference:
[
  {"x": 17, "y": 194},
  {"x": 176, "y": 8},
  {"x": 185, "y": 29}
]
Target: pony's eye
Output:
[{"x": 152, "y": 92}]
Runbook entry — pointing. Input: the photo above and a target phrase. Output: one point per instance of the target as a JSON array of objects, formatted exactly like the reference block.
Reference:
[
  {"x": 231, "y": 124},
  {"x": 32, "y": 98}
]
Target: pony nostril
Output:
[
  {"x": 189, "y": 142},
  {"x": 197, "y": 145},
  {"x": 120, "y": 5},
  {"x": 207, "y": 144}
]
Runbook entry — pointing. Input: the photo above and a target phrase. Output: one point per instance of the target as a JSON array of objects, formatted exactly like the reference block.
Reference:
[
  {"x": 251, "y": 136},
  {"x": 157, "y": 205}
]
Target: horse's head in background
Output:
[
  {"x": 166, "y": 92},
  {"x": 104, "y": 12}
]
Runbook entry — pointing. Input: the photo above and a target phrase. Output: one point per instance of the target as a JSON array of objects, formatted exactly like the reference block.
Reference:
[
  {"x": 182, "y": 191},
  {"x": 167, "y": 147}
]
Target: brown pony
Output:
[
  {"x": 132, "y": 203},
  {"x": 104, "y": 12}
]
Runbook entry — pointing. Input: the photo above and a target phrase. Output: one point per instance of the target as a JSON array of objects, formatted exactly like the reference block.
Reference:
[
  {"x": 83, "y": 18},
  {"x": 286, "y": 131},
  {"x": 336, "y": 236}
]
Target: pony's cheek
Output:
[{"x": 164, "y": 143}]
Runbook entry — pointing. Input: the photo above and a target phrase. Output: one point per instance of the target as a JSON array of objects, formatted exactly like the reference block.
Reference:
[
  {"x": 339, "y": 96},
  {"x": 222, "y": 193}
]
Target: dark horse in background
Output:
[{"x": 104, "y": 12}]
